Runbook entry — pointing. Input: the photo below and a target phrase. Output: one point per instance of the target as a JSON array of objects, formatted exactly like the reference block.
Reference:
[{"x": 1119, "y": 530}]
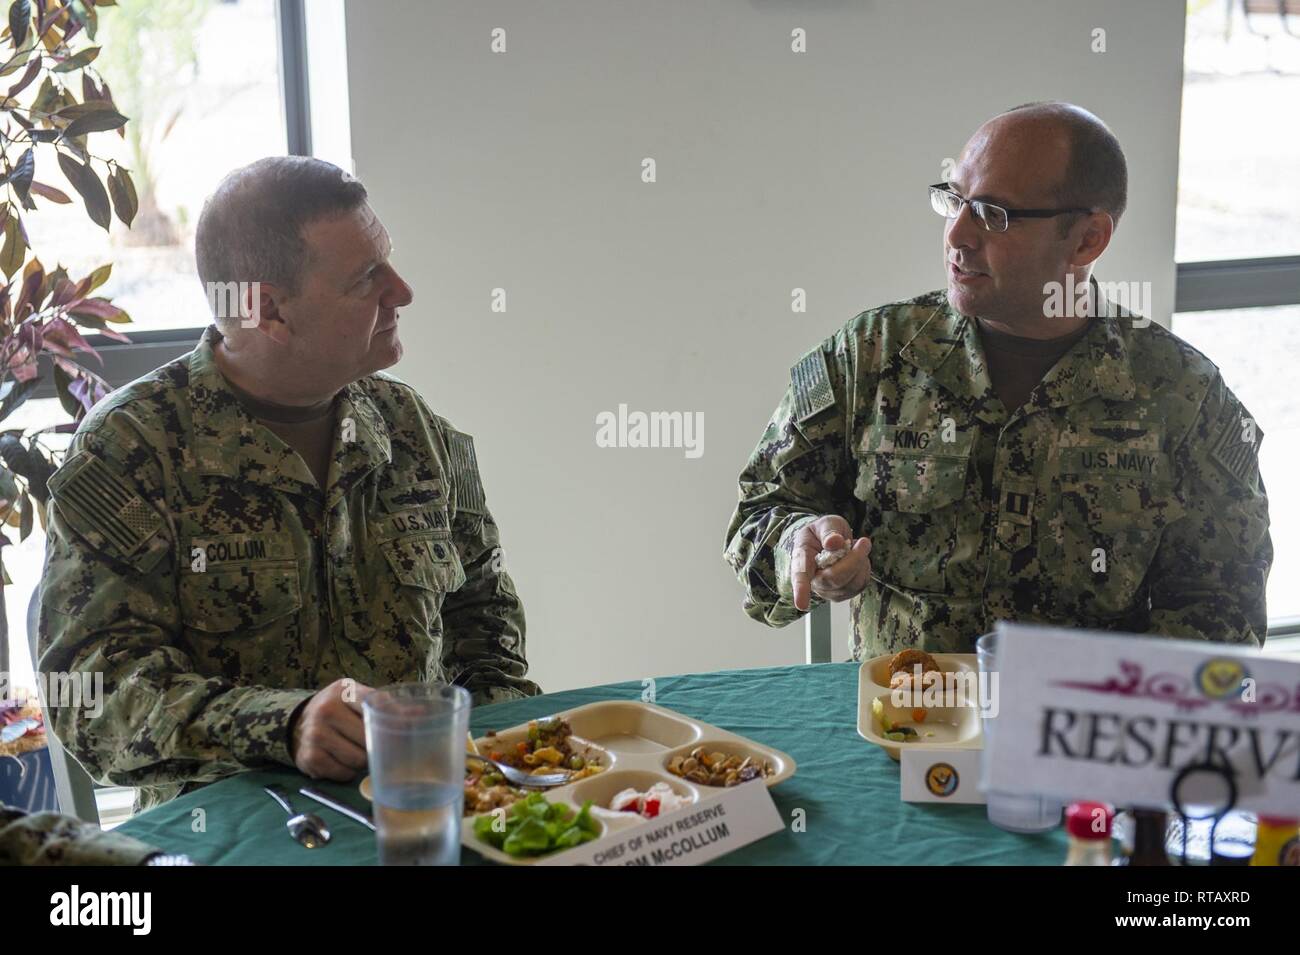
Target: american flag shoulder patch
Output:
[
  {"x": 101, "y": 507},
  {"x": 812, "y": 386},
  {"x": 464, "y": 474},
  {"x": 1235, "y": 447}
]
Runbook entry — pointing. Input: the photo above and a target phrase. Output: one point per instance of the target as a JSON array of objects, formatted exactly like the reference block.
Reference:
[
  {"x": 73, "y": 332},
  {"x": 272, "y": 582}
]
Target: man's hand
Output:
[
  {"x": 844, "y": 579},
  {"x": 329, "y": 735}
]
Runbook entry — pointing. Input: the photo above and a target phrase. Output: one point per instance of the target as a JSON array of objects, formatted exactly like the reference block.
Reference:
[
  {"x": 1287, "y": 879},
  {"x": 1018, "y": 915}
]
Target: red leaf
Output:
[
  {"x": 113, "y": 334},
  {"x": 65, "y": 293},
  {"x": 25, "y": 371},
  {"x": 58, "y": 330},
  {"x": 97, "y": 308},
  {"x": 71, "y": 367},
  {"x": 26, "y": 297},
  {"x": 33, "y": 68}
]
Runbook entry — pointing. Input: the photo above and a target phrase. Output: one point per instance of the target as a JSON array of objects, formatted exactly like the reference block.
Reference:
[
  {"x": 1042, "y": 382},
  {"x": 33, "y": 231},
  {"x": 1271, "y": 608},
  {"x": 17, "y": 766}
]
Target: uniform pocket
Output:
[
  {"x": 912, "y": 481},
  {"x": 1111, "y": 529},
  {"x": 425, "y": 563},
  {"x": 240, "y": 600},
  {"x": 407, "y": 592}
]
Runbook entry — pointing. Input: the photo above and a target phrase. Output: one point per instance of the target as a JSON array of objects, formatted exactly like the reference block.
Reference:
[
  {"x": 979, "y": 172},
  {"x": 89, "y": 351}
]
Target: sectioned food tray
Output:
[
  {"x": 955, "y": 725},
  {"x": 635, "y": 743}
]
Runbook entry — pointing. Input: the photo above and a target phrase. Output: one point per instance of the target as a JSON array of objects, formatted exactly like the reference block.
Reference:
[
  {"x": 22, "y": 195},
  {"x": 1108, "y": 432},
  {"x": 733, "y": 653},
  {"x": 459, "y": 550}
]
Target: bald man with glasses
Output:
[{"x": 979, "y": 453}]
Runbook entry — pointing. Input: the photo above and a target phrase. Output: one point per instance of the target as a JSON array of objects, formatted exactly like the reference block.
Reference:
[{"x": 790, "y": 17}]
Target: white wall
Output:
[{"x": 775, "y": 170}]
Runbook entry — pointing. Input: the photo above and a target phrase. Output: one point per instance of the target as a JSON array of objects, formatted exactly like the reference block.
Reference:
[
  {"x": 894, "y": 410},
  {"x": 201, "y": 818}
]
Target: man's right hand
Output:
[
  {"x": 846, "y": 578},
  {"x": 329, "y": 735}
]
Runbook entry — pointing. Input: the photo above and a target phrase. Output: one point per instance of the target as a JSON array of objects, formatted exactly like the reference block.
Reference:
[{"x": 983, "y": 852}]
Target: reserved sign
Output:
[
  {"x": 697, "y": 833},
  {"x": 1119, "y": 717}
]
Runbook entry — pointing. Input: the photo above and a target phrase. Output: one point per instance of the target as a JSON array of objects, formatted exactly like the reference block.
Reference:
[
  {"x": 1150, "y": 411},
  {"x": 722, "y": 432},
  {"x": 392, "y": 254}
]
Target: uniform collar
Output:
[
  {"x": 365, "y": 444},
  {"x": 228, "y": 441},
  {"x": 947, "y": 345}
]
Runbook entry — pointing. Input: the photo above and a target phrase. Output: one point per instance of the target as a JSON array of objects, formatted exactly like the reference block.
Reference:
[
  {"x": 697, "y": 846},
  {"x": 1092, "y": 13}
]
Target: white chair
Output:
[
  {"x": 73, "y": 784},
  {"x": 817, "y": 634}
]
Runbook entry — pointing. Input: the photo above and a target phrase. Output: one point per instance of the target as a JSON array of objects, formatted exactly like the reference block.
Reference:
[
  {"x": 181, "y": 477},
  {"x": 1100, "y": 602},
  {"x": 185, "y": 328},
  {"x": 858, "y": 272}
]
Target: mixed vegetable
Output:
[
  {"x": 896, "y": 732},
  {"x": 548, "y": 749},
  {"x": 486, "y": 789},
  {"x": 533, "y": 826}
]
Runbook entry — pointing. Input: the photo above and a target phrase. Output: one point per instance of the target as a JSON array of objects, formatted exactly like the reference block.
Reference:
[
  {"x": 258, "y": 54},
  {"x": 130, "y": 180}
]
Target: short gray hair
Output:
[{"x": 250, "y": 229}]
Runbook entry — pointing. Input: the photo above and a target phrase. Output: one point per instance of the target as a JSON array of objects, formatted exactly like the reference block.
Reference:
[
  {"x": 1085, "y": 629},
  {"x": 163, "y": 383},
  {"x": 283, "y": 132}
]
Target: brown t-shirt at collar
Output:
[
  {"x": 1017, "y": 365},
  {"x": 308, "y": 430}
]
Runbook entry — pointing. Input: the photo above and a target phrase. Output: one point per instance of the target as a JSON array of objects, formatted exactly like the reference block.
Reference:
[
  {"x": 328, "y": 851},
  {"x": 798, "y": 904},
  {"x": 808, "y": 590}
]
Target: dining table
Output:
[{"x": 841, "y": 807}]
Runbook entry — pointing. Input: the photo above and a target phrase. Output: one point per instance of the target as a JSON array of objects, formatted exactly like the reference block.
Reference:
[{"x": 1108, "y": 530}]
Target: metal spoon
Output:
[
  {"x": 517, "y": 777},
  {"x": 307, "y": 828}
]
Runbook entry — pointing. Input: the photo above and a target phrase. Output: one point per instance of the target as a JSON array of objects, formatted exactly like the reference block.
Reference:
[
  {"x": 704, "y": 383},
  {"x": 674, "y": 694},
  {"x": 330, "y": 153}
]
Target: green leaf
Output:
[
  {"x": 92, "y": 19},
  {"x": 47, "y": 97},
  {"x": 98, "y": 278},
  {"x": 84, "y": 11},
  {"x": 78, "y": 60},
  {"x": 62, "y": 386},
  {"x": 122, "y": 189},
  {"x": 14, "y": 62},
  {"x": 8, "y": 485},
  {"x": 87, "y": 183},
  {"x": 20, "y": 18},
  {"x": 25, "y": 519},
  {"x": 33, "y": 68},
  {"x": 97, "y": 121},
  {"x": 13, "y": 251},
  {"x": 78, "y": 110}
]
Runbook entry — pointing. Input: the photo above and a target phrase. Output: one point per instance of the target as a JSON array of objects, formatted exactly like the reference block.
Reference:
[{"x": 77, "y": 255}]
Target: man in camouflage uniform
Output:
[
  {"x": 248, "y": 539},
  {"x": 1088, "y": 470}
]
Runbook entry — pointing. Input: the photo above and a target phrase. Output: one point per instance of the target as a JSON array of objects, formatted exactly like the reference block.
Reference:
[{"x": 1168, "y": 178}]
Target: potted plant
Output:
[{"x": 47, "y": 56}]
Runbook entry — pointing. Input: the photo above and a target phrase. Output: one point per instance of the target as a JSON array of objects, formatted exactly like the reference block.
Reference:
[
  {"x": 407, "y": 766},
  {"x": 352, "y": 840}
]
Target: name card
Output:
[
  {"x": 695, "y": 834},
  {"x": 931, "y": 774},
  {"x": 1120, "y": 717}
]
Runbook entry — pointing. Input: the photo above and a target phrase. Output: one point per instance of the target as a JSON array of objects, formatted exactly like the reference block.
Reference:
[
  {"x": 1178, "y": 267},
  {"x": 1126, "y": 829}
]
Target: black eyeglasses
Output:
[{"x": 994, "y": 218}]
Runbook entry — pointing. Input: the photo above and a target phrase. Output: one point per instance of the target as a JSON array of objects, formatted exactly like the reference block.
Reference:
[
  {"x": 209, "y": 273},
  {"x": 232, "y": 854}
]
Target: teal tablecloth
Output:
[{"x": 847, "y": 788}]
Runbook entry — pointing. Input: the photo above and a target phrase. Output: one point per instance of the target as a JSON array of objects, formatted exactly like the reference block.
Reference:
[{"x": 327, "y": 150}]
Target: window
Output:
[
  {"x": 1238, "y": 192},
  {"x": 1238, "y": 242},
  {"x": 1263, "y": 378},
  {"x": 199, "y": 82}
]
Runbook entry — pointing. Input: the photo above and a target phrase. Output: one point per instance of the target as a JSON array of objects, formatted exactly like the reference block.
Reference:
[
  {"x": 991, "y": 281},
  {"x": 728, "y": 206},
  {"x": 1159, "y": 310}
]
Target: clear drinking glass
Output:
[
  {"x": 1014, "y": 812},
  {"x": 415, "y": 742}
]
